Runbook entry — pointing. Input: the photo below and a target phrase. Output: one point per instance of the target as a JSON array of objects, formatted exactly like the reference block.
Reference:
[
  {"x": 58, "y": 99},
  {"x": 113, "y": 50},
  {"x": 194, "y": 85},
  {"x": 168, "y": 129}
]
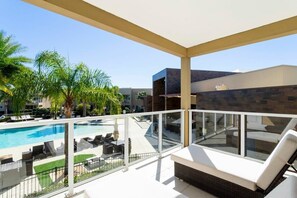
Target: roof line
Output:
[
  {"x": 89, "y": 14},
  {"x": 274, "y": 30}
]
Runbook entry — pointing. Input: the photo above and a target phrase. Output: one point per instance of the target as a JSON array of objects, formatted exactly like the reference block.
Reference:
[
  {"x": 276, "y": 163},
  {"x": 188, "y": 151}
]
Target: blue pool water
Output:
[{"x": 31, "y": 135}]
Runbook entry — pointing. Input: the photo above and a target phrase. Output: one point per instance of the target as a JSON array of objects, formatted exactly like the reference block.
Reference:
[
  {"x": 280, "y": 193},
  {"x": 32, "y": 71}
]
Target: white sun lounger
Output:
[{"x": 226, "y": 175}]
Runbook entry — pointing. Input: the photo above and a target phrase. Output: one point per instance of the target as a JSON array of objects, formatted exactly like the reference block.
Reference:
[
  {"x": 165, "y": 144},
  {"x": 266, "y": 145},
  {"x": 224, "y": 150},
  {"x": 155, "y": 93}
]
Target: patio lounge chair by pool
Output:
[
  {"x": 226, "y": 175},
  {"x": 23, "y": 117},
  {"x": 87, "y": 139},
  {"x": 28, "y": 117},
  {"x": 38, "y": 152},
  {"x": 83, "y": 144},
  {"x": 6, "y": 159},
  {"x": 98, "y": 140},
  {"x": 108, "y": 138},
  {"x": 15, "y": 119},
  {"x": 49, "y": 148}
]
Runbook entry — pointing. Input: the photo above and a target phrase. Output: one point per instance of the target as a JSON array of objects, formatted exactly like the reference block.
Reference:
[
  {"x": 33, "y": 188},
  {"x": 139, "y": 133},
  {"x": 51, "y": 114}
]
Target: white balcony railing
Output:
[
  {"x": 149, "y": 134},
  {"x": 248, "y": 134}
]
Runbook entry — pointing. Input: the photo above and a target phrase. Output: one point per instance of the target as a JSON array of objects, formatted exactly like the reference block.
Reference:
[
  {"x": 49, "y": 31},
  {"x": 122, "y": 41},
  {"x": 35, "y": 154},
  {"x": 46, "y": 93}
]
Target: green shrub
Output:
[
  {"x": 95, "y": 112},
  {"x": 5, "y": 119},
  {"x": 46, "y": 190},
  {"x": 80, "y": 108},
  {"x": 42, "y": 112}
]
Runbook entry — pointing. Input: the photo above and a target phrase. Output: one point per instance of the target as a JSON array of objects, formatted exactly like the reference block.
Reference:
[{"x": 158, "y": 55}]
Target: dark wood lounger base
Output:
[{"x": 212, "y": 184}]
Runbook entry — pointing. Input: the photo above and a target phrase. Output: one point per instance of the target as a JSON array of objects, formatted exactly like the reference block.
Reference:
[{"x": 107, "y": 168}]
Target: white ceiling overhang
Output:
[
  {"x": 192, "y": 22},
  {"x": 185, "y": 27}
]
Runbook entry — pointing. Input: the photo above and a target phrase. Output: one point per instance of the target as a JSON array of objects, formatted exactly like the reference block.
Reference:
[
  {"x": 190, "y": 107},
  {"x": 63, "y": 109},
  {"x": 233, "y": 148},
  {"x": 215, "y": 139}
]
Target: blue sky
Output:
[{"x": 128, "y": 63}]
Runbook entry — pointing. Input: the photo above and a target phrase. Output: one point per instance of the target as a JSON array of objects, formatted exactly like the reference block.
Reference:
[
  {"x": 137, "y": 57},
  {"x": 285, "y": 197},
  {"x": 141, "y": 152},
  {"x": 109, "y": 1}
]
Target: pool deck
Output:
[
  {"x": 137, "y": 133},
  {"x": 141, "y": 140}
]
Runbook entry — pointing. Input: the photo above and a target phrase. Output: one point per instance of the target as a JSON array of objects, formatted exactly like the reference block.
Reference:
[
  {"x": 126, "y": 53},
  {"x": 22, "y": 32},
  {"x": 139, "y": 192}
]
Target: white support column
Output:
[
  {"x": 242, "y": 139},
  {"x": 232, "y": 120},
  {"x": 186, "y": 94},
  {"x": 126, "y": 148},
  {"x": 70, "y": 158},
  {"x": 190, "y": 126},
  {"x": 160, "y": 127}
]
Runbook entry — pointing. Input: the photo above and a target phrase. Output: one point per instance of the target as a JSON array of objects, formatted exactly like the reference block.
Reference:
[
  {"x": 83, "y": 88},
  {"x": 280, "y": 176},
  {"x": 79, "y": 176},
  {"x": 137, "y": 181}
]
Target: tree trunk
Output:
[
  {"x": 55, "y": 112},
  {"x": 61, "y": 110},
  {"x": 84, "y": 109},
  {"x": 6, "y": 107},
  {"x": 68, "y": 115}
]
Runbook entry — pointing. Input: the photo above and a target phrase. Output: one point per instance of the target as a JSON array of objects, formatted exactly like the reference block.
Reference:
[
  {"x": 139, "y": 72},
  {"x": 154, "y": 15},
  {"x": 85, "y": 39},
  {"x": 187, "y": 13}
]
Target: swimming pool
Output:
[{"x": 30, "y": 135}]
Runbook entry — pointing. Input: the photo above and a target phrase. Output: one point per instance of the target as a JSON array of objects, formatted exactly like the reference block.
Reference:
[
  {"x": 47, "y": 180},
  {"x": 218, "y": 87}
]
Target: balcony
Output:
[{"x": 99, "y": 146}]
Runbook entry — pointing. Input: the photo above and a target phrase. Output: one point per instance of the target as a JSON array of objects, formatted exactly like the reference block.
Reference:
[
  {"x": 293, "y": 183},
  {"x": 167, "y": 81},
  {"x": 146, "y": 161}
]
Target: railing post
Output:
[
  {"x": 215, "y": 122},
  {"x": 225, "y": 122},
  {"x": 232, "y": 120},
  {"x": 190, "y": 127},
  {"x": 70, "y": 157},
  {"x": 203, "y": 124},
  {"x": 243, "y": 135},
  {"x": 126, "y": 147},
  {"x": 152, "y": 126},
  {"x": 160, "y": 134}
]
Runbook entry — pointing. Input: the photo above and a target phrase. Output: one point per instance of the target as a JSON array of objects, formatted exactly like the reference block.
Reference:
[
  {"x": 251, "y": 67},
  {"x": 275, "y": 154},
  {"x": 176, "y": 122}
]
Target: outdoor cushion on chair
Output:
[
  {"x": 38, "y": 152},
  {"x": 108, "y": 138},
  {"x": 98, "y": 140},
  {"x": 278, "y": 159},
  {"x": 49, "y": 148}
]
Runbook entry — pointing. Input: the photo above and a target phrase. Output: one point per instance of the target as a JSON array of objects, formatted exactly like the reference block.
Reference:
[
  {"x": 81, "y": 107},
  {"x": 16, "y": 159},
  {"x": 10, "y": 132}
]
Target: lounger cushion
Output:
[
  {"x": 235, "y": 169},
  {"x": 277, "y": 159},
  {"x": 291, "y": 125}
]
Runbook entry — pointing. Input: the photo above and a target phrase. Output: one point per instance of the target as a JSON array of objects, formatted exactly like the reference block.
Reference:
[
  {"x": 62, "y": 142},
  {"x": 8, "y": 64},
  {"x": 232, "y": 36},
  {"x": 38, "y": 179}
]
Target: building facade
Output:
[
  {"x": 133, "y": 103},
  {"x": 269, "y": 90},
  {"x": 36, "y": 103},
  {"x": 166, "y": 87}
]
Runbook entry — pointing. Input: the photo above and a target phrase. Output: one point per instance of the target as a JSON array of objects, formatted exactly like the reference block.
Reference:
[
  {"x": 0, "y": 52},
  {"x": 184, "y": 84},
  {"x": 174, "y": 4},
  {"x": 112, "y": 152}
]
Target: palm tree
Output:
[
  {"x": 56, "y": 104},
  {"x": 23, "y": 89},
  {"x": 10, "y": 62},
  {"x": 60, "y": 79},
  {"x": 116, "y": 100},
  {"x": 93, "y": 83}
]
